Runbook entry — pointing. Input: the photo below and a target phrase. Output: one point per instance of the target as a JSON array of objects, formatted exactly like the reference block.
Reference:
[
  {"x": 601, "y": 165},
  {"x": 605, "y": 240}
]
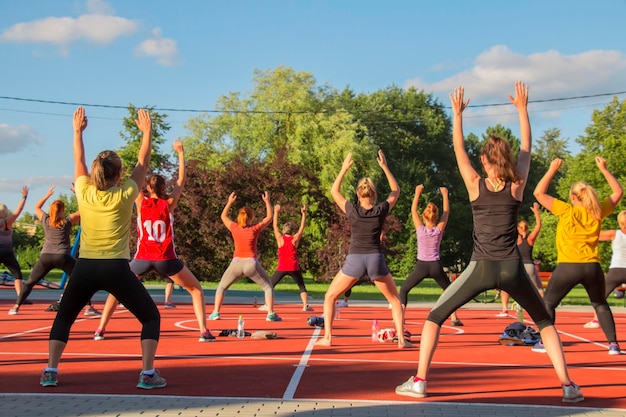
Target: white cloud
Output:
[
  {"x": 548, "y": 74},
  {"x": 97, "y": 25},
  {"x": 163, "y": 49},
  {"x": 16, "y": 138}
]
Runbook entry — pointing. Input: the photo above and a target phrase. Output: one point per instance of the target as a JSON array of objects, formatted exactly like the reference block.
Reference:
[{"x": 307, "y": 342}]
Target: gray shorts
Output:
[
  {"x": 371, "y": 264},
  {"x": 165, "y": 268}
]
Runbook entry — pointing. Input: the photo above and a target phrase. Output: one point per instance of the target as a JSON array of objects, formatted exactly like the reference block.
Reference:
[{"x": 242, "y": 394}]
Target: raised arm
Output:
[
  {"x": 443, "y": 220},
  {"x": 267, "y": 220},
  {"x": 225, "y": 219},
  {"x": 607, "y": 235},
  {"x": 392, "y": 198},
  {"x": 298, "y": 235},
  {"x": 80, "y": 124},
  {"x": 541, "y": 189},
  {"x": 182, "y": 175},
  {"x": 417, "y": 222},
  {"x": 144, "y": 123},
  {"x": 523, "y": 160},
  {"x": 335, "y": 192},
  {"x": 616, "y": 188},
  {"x": 532, "y": 237},
  {"x": 38, "y": 206},
  {"x": 279, "y": 236},
  {"x": 20, "y": 206},
  {"x": 468, "y": 173}
]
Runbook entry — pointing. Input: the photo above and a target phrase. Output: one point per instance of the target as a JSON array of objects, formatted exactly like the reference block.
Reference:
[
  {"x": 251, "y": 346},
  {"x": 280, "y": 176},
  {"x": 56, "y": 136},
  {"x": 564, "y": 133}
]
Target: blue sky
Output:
[{"x": 186, "y": 54}]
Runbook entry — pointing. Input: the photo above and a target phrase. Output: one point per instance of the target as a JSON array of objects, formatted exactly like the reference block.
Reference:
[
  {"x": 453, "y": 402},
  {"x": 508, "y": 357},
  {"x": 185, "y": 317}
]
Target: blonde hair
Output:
[
  {"x": 4, "y": 211},
  {"x": 523, "y": 224},
  {"x": 245, "y": 216},
  {"x": 106, "y": 167},
  {"x": 588, "y": 198},
  {"x": 57, "y": 214},
  {"x": 621, "y": 219},
  {"x": 498, "y": 153},
  {"x": 365, "y": 188},
  {"x": 431, "y": 213},
  {"x": 288, "y": 228}
]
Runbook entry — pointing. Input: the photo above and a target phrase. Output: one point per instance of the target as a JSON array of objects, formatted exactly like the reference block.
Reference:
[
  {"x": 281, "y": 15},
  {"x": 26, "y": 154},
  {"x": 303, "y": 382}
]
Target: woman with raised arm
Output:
[
  {"x": 7, "y": 256},
  {"x": 495, "y": 261},
  {"x": 365, "y": 256},
  {"x": 155, "y": 245},
  {"x": 245, "y": 262},
  {"x": 56, "y": 247},
  {"x": 429, "y": 234},
  {"x": 525, "y": 243},
  {"x": 288, "y": 242},
  {"x": 577, "y": 236},
  {"x": 105, "y": 202}
]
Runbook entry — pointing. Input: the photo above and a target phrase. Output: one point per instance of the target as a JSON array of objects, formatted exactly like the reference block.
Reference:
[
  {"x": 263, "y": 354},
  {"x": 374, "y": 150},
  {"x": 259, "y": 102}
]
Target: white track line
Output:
[{"x": 302, "y": 365}]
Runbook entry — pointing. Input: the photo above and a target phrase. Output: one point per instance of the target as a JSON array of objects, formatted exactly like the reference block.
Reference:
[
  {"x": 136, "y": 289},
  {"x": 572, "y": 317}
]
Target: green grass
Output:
[{"x": 427, "y": 291}]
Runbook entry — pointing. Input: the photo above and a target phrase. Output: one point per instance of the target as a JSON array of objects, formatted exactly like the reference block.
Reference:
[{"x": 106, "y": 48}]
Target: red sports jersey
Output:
[
  {"x": 156, "y": 234},
  {"x": 287, "y": 256}
]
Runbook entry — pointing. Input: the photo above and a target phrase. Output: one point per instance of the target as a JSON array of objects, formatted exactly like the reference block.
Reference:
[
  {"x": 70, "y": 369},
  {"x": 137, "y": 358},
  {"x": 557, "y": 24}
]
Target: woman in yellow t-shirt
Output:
[
  {"x": 106, "y": 203},
  {"x": 577, "y": 236}
]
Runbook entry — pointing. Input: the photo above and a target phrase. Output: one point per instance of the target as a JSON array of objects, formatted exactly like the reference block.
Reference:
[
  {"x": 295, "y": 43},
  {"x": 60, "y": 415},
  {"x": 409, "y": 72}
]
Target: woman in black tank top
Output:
[{"x": 495, "y": 261}]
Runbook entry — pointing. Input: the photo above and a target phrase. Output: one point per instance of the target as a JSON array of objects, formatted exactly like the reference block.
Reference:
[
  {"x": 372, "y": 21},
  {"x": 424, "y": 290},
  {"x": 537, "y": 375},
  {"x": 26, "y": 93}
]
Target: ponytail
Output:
[{"x": 588, "y": 198}]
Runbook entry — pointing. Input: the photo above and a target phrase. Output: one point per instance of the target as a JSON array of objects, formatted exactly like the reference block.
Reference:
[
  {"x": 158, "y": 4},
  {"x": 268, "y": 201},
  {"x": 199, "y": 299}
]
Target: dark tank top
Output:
[
  {"x": 525, "y": 251},
  {"x": 495, "y": 224}
]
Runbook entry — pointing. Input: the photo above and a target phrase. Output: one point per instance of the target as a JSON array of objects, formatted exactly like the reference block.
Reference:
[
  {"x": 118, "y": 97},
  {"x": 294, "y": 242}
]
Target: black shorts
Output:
[{"x": 166, "y": 268}]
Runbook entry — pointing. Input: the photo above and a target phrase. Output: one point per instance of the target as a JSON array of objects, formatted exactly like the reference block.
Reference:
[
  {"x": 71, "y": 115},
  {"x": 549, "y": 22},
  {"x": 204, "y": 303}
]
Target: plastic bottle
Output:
[
  {"x": 337, "y": 310},
  {"x": 520, "y": 312},
  {"x": 375, "y": 330},
  {"x": 254, "y": 304},
  {"x": 241, "y": 333}
]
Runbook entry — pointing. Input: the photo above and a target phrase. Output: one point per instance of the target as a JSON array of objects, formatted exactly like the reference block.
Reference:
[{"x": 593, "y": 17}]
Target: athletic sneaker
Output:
[
  {"x": 49, "y": 379},
  {"x": 539, "y": 347},
  {"x": 169, "y": 304},
  {"x": 98, "y": 335},
  {"x": 91, "y": 311},
  {"x": 307, "y": 308},
  {"x": 13, "y": 311},
  {"x": 273, "y": 317},
  {"x": 206, "y": 337},
  {"x": 572, "y": 393},
  {"x": 214, "y": 316},
  {"x": 342, "y": 303},
  {"x": 456, "y": 323},
  {"x": 614, "y": 349},
  {"x": 151, "y": 381},
  {"x": 503, "y": 314},
  {"x": 263, "y": 307},
  {"x": 412, "y": 389},
  {"x": 593, "y": 324}
]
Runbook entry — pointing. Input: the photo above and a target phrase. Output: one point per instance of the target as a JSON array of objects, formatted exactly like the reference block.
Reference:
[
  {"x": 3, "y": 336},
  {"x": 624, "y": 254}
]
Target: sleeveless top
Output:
[
  {"x": 245, "y": 239},
  {"x": 526, "y": 251},
  {"x": 428, "y": 242},
  {"x": 495, "y": 224},
  {"x": 287, "y": 256},
  {"x": 155, "y": 240},
  {"x": 366, "y": 227},
  {"x": 6, "y": 237},
  {"x": 618, "y": 258},
  {"x": 56, "y": 240}
]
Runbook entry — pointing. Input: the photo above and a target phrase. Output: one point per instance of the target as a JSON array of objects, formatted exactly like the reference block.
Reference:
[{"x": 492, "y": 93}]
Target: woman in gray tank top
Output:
[{"x": 7, "y": 256}]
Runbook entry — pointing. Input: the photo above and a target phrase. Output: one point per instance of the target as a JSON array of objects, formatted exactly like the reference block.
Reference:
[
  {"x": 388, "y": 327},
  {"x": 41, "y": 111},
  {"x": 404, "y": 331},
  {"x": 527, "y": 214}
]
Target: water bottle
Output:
[
  {"x": 254, "y": 304},
  {"x": 315, "y": 321},
  {"x": 520, "y": 312},
  {"x": 241, "y": 333},
  {"x": 375, "y": 330},
  {"x": 337, "y": 310}
]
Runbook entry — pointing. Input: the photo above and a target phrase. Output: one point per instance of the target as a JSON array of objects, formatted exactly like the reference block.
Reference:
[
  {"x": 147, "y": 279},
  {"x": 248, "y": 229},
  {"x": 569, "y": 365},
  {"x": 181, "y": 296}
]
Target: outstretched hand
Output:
[
  {"x": 303, "y": 209},
  {"x": 80, "y": 120},
  {"x": 25, "y": 191},
  {"x": 347, "y": 163},
  {"x": 232, "y": 197},
  {"x": 51, "y": 190},
  {"x": 443, "y": 191},
  {"x": 600, "y": 162},
  {"x": 178, "y": 146},
  {"x": 266, "y": 197},
  {"x": 419, "y": 189},
  {"x": 556, "y": 164},
  {"x": 276, "y": 208},
  {"x": 521, "y": 96},
  {"x": 382, "y": 161},
  {"x": 456, "y": 99},
  {"x": 143, "y": 121},
  {"x": 535, "y": 208}
]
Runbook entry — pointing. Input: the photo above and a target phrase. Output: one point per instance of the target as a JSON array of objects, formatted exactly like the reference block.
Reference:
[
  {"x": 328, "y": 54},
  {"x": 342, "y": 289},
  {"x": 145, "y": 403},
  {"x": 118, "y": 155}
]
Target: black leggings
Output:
[
  {"x": 423, "y": 269},
  {"x": 46, "y": 263},
  {"x": 295, "y": 275},
  {"x": 10, "y": 261},
  {"x": 115, "y": 277},
  {"x": 613, "y": 279},
  {"x": 566, "y": 276},
  {"x": 508, "y": 275}
]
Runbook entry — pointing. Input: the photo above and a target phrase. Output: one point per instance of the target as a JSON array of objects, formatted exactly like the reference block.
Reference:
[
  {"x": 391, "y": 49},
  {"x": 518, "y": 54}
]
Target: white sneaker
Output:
[
  {"x": 263, "y": 307},
  {"x": 412, "y": 389},
  {"x": 342, "y": 303},
  {"x": 593, "y": 324},
  {"x": 307, "y": 308},
  {"x": 503, "y": 314},
  {"x": 572, "y": 393}
]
